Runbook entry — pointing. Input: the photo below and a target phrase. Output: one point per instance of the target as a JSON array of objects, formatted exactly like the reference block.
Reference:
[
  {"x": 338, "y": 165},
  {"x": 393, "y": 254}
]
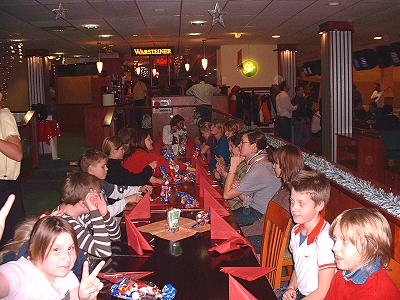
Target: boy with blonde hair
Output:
[
  {"x": 94, "y": 162},
  {"x": 310, "y": 244},
  {"x": 362, "y": 250}
]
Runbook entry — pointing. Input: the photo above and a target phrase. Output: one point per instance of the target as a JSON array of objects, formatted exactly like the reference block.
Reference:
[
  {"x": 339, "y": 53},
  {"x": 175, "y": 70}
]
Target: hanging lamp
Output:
[
  {"x": 187, "y": 67},
  {"x": 204, "y": 60},
  {"x": 99, "y": 63}
]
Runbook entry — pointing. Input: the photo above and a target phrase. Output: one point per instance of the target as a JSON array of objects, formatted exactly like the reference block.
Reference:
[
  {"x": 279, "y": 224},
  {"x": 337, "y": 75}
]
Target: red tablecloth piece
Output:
[{"x": 47, "y": 129}]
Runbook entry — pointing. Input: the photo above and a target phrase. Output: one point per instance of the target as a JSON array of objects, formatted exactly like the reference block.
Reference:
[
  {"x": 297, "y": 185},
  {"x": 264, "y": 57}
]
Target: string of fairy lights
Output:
[{"x": 11, "y": 52}]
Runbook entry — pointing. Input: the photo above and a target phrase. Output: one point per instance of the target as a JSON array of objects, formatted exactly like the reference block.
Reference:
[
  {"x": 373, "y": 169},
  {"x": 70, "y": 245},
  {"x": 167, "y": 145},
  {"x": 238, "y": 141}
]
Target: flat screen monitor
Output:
[
  {"x": 384, "y": 56},
  {"x": 365, "y": 59},
  {"x": 395, "y": 53}
]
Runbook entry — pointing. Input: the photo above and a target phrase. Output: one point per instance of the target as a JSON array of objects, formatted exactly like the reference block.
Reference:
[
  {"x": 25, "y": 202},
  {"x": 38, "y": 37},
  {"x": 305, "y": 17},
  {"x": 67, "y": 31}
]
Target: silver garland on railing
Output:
[{"x": 377, "y": 196}]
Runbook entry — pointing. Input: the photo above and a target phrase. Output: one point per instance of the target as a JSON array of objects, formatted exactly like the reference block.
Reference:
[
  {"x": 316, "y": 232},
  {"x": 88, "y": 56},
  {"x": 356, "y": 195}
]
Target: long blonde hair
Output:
[{"x": 21, "y": 236}]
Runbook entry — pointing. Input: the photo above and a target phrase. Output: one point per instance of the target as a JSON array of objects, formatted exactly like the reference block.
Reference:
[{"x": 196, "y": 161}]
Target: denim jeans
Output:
[
  {"x": 279, "y": 293},
  {"x": 256, "y": 240},
  {"x": 247, "y": 215}
]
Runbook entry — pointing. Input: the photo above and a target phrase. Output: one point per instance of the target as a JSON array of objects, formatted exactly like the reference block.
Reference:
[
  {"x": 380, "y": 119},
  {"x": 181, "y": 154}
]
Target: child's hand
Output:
[
  {"x": 156, "y": 180},
  {"x": 135, "y": 198},
  {"x": 4, "y": 212},
  {"x": 153, "y": 164},
  {"x": 146, "y": 188},
  {"x": 101, "y": 204},
  {"x": 90, "y": 285},
  {"x": 235, "y": 161},
  {"x": 290, "y": 294}
]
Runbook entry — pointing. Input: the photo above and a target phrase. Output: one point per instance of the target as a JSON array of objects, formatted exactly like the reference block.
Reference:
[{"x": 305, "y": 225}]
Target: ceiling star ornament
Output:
[
  {"x": 60, "y": 11},
  {"x": 216, "y": 15}
]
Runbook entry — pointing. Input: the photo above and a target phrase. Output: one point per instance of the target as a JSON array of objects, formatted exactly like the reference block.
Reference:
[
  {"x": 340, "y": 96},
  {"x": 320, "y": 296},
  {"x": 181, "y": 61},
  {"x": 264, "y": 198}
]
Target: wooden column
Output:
[
  {"x": 336, "y": 81},
  {"x": 287, "y": 65}
]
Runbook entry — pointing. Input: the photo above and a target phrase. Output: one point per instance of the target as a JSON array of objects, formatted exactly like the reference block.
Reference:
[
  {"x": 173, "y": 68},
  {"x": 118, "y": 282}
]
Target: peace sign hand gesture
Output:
[
  {"x": 90, "y": 285},
  {"x": 4, "y": 212}
]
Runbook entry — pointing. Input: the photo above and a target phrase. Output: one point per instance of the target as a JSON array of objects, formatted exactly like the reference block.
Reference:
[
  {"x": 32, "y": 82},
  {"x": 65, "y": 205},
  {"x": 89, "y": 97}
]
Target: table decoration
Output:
[
  {"x": 127, "y": 288},
  {"x": 135, "y": 239},
  {"x": 210, "y": 201}
]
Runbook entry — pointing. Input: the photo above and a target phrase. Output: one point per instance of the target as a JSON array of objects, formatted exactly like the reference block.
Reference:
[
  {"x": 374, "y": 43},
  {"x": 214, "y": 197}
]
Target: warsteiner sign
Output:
[{"x": 152, "y": 51}]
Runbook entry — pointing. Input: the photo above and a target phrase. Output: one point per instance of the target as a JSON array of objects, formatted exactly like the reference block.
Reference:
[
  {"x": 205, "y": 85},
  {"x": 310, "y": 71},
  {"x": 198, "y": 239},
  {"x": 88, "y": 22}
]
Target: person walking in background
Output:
[
  {"x": 10, "y": 164},
  {"x": 301, "y": 118},
  {"x": 284, "y": 109},
  {"x": 203, "y": 94},
  {"x": 139, "y": 91}
]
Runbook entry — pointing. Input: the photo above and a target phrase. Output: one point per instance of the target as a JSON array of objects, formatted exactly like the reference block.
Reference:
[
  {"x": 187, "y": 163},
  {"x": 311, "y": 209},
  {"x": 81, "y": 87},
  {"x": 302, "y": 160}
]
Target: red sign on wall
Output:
[{"x": 162, "y": 61}]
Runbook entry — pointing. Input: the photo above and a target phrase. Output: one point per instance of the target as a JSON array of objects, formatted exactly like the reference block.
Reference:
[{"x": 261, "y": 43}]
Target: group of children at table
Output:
[
  {"x": 346, "y": 260},
  {"x": 47, "y": 255}
]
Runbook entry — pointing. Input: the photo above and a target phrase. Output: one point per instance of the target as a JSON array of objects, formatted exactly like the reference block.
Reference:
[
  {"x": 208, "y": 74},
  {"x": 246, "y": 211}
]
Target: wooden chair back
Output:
[
  {"x": 277, "y": 224},
  {"x": 394, "y": 272}
]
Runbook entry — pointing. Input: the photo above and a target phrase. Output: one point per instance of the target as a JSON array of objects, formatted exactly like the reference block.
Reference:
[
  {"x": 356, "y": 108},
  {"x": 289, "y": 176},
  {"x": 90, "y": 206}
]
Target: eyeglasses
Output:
[{"x": 244, "y": 142}]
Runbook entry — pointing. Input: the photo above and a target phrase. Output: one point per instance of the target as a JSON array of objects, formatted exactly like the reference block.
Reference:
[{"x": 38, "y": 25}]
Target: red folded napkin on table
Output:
[
  {"x": 189, "y": 149},
  {"x": 210, "y": 201},
  {"x": 115, "y": 276},
  {"x": 203, "y": 180},
  {"x": 212, "y": 190},
  {"x": 237, "y": 291},
  {"x": 247, "y": 273},
  {"x": 135, "y": 239},
  {"x": 221, "y": 230},
  {"x": 200, "y": 170},
  {"x": 141, "y": 210}
]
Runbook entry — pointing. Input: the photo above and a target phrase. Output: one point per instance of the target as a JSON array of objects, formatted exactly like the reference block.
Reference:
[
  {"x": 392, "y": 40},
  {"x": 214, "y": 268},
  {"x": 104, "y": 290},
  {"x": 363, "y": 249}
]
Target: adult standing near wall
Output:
[
  {"x": 10, "y": 164},
  {"x": 203, "y": 94},
  {"x": 139, "y": 91},
  {"x": 284, "y": 109},
  {"x": 377, "y": 96}
]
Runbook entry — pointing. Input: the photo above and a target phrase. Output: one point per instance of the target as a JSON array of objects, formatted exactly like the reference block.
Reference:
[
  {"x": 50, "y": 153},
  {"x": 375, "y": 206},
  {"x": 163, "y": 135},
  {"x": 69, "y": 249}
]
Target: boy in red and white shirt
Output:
[{"x": 310, "y": 243}]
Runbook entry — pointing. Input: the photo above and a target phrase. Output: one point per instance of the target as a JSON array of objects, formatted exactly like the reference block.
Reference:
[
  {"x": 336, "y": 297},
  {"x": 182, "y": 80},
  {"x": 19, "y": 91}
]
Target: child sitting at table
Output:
[
  {"x": 175, "y": 134},
  {"x": 116, "y": 174},
  {"x": 46, "y": 274},
  {"x": 86, "y": 210},
  {"x": 310, "y": 244},
  {"x": 209, "y": 140},
  {"x": 139, "y": 156},
  {"x": 362, "y": 250},
  {"x": 221, "y": 147},
  {"x": 94, "y": 162}
]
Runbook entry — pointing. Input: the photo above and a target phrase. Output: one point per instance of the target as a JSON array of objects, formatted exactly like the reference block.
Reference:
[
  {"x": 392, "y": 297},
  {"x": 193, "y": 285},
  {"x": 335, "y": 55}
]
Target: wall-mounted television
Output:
[
  {"x": 365, "y": 59},
  {"x": 384, "y": 56},
  {"x": 312, "y": 68},
  {"x": 395, "y": 53}
]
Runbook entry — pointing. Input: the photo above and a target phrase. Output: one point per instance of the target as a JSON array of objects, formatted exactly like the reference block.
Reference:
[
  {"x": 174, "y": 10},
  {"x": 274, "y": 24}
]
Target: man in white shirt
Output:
[
  {"x": 10, "y": 164},
  {"x": 203, "y": 94},
  {"x": 284, "y": 109}
]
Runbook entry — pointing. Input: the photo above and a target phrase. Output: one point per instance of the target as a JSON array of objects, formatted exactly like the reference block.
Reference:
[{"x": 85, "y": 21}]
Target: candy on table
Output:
[
  {"x": 189, "y": 202},
  {"x": 127, "y": 288},
  {"x": 166, "y": 192},
  {"x": 202, "y": 218}
]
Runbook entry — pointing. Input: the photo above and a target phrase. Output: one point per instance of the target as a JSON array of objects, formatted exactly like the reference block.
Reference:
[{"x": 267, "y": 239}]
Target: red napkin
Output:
[
  {"x": 189, "y": 149},
  {"x": 200, "y": 170},
  {"x": 210, "y": 201},
  {"x": 135, "y": 239},
  {"x": 237, "y": 291},
  {"x": 115, "y": 276},
  {"x": 203, "y": 180},
  {"x": 247, "y": 273},
  {"x": 141, "y": 210},
  {"x": 221, "y": 230},
  {"x": 212, "y": 190}
]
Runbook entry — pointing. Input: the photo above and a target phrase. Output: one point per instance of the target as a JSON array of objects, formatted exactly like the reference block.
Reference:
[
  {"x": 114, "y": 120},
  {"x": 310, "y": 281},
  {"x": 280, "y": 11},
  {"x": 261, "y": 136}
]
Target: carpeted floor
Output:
[{"x": 41, "y": 190}]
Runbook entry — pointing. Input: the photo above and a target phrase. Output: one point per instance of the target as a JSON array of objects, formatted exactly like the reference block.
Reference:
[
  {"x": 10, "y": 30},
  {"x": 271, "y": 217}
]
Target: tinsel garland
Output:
[{"x": 364, "y": 188}]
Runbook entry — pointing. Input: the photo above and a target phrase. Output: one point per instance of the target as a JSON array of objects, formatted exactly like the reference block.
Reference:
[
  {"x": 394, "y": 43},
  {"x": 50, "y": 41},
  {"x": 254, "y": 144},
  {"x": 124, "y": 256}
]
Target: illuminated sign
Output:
[
  {"x": 249, "y": 68},
  {"x": 152, "y": 51}
]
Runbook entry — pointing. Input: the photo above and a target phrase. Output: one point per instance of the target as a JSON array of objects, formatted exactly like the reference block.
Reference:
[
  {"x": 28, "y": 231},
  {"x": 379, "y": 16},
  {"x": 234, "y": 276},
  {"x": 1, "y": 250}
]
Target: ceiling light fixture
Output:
[
  {"x": 276, "y": 36},
  {"x": 138, "y": 70},
  {"x": 204, "y": 60},
  {"x": 59, "y": 53},
  {"x": 237, "y": 35},
  {"x": 99, "y": 63},
  {"x": 105, "y": 36},
  {"x": 378, "y": 37},
  {"x": 194, "y": 33},
  {"x": 321, "y": 33},
  {"x": 90, "y": 26},
  {"x": 198, "y": 22},
  {"x": 334, "y": 3},
  {"x": 135, "y": 35},
  {"x": 187, "y": 67},
  {"x": 154, "y": 72}
]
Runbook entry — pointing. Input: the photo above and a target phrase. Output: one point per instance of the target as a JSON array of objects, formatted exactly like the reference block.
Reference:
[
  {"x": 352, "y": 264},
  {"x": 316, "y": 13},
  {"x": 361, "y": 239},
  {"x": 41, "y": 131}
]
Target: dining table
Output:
[{"x": 186, "y": 264}]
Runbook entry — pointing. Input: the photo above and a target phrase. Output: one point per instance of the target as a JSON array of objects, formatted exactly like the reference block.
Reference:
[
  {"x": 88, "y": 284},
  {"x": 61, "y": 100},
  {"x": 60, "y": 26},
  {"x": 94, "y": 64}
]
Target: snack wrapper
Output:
[{"x": 173, "y": 219}]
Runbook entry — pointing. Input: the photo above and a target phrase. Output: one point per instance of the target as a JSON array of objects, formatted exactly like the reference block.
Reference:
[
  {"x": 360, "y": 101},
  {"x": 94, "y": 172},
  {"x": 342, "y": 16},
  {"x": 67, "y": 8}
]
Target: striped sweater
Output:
[{"x": 95, "y": 232}]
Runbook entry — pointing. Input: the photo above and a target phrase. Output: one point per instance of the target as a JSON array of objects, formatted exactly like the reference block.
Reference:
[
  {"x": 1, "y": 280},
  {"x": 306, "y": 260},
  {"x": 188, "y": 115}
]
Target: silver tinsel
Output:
[{"x": 364, "y": 188}]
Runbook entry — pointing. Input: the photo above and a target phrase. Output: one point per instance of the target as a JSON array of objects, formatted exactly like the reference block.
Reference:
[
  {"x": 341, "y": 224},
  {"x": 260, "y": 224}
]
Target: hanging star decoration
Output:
[
  {"x": 216, "y": 15},
  {"x": 60, "y": 11}
]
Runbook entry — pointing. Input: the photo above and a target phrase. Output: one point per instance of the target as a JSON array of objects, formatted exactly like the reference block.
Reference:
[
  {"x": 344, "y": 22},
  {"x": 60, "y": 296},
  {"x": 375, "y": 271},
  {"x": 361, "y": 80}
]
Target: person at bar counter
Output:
[
  {"x": 310, "y": 243},
  {"x": 139, "y": 91},
  {"x": 10, "y": 164},
  {"x": 203, "y": 94},
  {"x": 301, "y": 118},
  {"x": 284, "y": 110},
  {"x": 259, "y": 183},
  {"x": 362, "y": 250}
]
